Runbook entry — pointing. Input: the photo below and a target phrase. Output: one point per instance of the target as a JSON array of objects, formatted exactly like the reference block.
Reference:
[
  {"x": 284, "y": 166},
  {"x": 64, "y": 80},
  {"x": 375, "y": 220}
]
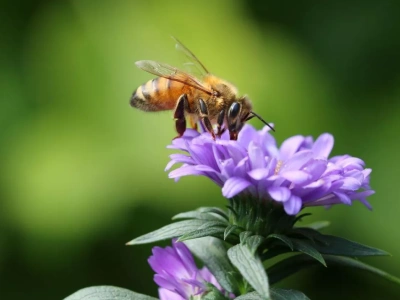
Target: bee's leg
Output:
[
  {"x": 179, "y": 115},
  {"x": 220, "y": 122},
  {"x": 233, "y": 135},
  {"x": 204, "y": 116}
]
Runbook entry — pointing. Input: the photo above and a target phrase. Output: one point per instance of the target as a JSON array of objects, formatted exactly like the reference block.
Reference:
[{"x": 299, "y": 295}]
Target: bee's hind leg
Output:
[{"x": 179, "y": 115}]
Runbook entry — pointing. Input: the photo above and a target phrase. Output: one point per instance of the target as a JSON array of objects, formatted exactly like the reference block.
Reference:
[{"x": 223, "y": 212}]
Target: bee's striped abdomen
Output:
[{"x": 157, "y": 94}]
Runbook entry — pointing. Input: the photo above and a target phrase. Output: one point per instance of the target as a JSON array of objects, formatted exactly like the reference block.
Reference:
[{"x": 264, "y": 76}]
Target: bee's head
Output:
[{"x": 238, "y": 113}]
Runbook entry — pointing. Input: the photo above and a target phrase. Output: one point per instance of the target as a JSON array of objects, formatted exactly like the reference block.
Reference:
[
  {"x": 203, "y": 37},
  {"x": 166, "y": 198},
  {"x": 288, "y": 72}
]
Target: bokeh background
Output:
[{"x": 82, "y": 172}]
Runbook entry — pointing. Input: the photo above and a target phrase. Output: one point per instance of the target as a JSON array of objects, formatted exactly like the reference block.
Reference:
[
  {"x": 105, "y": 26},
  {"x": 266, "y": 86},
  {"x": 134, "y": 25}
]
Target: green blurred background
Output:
[{"x": 82, "y": 172}]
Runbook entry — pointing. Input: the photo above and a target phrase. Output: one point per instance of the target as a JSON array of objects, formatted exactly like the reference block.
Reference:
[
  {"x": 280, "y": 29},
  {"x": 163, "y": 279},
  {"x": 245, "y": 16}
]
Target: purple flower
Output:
[
  {"x": 297, "y": 174},
  {"x": 177, "y": 274}
]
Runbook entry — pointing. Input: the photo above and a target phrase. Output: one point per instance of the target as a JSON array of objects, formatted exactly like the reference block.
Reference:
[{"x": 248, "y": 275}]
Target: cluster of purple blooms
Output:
[
  {"x": 177, "y": 274},
  {"x": 296, "y": 174}
]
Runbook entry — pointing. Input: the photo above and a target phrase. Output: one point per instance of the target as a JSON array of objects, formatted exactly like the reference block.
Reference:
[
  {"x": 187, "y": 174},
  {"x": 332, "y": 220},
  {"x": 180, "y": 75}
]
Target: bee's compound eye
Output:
[{"x": 234, "y": 110}]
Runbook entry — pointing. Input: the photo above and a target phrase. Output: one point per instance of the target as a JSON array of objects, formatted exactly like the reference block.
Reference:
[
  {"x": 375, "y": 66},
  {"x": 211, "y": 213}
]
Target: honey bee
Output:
[{"x": 210, "y": 100}]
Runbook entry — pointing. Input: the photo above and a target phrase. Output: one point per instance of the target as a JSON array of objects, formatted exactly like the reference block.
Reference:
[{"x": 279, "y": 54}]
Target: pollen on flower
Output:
[
  {"x": 297, "y": 174},
  {"x": 278, "y": 167}
]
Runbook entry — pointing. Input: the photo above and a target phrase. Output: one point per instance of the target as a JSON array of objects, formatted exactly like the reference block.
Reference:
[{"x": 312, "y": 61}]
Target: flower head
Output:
[
  {"x": 296, "y": 174},
  {"x": 177, "y": 274}
]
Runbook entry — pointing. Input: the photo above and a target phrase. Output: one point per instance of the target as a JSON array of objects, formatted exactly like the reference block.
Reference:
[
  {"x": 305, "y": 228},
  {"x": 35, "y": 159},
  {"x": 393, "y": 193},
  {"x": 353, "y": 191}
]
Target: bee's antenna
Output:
[{"x": 262, "y": 120}]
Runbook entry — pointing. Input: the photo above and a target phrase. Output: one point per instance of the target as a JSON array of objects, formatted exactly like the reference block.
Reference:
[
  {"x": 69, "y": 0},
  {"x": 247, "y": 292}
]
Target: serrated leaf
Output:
[
  {"x": 168, "y": 232},
  {"x": 212, "y": 252},
  {"x": 287, "y": 294},
  {"x": 339, "y": 246},
  {"x": 318, "y": 225},
  {"x": 254, "y": 241},
  {"x": 229, "y": 230},
  {"x": 209, "y": 231},
  {"x": 107, "y": 293},
  {"x": 251, "y": 269},
  {"x": 306, "y": 248},
  {"x": 299, "y": 262},
  {"x": 282, "y": 238},
  {"x": 250, "y": 296}
]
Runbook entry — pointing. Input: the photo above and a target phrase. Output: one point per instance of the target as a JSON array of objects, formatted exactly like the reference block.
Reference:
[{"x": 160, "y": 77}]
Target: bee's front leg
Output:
[
  {"x": 179, "y": 115},
  {"x": 220, "y": 122},
  {"x": 204, "y": 116}
]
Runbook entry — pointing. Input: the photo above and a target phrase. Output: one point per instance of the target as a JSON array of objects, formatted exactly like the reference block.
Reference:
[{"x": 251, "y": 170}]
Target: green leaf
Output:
[
  {"x": 351, "y": 262},
  {"x": 287, "y": 294},
  {"x": 306, "y": 248},
  {"x": 251, "y": 269},
  {"x": 300, "y": 217},
  {"x": 212, "y": 252},
  {"x": 168, "y": 232},
  {"x": 250, "y": 296},
  {"x": 275, "y": 251},
  {"x": 244, "y": 235},
  {"x": 229, "y": 230},
  {"x": 199, "y": 233},
  {"x": 213, "y": 224},
  {"x": 212, "y": 293},
  {"x": 107, "y": 293},
  {"x": 203, "y": 213},
  {"x": 216, "y": 211},
  {"x": 318, "y": 225},
  {"x": 253, "y": 242},
  {"x": 305, "y": 232},
  {"x": 282, "y": 238},
  {"x": 296, "y": 263},
  {"x": 339, "y": 246}
]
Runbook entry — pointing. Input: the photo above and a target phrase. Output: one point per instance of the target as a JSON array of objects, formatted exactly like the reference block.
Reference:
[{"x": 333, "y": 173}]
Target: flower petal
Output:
[
  {"x": 278, "y": 193},
  {"x": 234, "y": 186},
  {"x": 165, "y": 294},
  {"x": 298, "y": 160},
  {"x": 259, "y": 174},
  {"x": 343, "y": 198},
  {"x": 293, "y": 205},
  {"x": 184, "y": 171},
  {"x": 350, "y": 183},
  {"x": 323, "y": 145},
  {"x": 256, "y": 156},
  {"x": 290, "y": 147},
  {"x": 297, "y": 177}
]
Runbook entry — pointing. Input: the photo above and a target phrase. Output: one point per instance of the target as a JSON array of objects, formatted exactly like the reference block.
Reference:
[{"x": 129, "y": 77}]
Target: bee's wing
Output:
[
  {"x": 193, "y": 64},
  {"x": 172, "y": 73}
]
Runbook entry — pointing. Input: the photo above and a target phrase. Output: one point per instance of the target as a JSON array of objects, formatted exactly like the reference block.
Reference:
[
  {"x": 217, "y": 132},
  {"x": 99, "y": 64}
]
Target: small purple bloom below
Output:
[
  {"x": 177, "y": 274},
  {"x": 297, "y": 174}
]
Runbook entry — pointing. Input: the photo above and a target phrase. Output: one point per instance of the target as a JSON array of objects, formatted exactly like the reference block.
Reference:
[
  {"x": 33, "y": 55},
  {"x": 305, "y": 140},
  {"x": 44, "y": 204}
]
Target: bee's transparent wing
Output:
[
  {"x": 172, "y": 73},
  {"x": 192, "y": 63}
]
